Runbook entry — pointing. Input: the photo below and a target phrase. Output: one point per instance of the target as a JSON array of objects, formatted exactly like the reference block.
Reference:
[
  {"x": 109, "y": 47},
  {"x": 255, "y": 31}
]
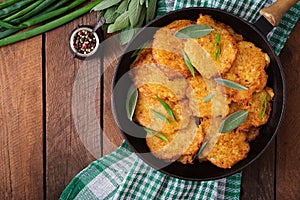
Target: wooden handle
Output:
[{"x": 275, "y": 12}]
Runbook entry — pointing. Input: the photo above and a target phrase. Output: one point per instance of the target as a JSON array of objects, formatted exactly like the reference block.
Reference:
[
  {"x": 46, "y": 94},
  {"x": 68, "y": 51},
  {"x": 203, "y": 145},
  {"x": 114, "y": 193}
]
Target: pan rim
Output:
[{"x": 281, "y": 76}]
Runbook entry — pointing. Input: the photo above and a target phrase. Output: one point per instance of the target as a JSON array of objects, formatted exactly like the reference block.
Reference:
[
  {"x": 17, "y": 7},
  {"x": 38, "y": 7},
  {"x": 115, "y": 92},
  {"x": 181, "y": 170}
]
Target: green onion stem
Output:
[{"x": 49, "y": 26}]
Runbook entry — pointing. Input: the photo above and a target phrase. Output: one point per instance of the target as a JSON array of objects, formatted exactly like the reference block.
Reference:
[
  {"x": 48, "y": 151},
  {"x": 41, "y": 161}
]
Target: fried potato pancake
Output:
[
  {"x": 168, "y": 50},
  {"x": 160, "y": 70},
  {"x": 227, "y": 44},
  {"x": 258, "y": 107},
  {"x": 248, "y": 70},
  {"x": 152, "y": 81},
  {"x": 181, "y": 146},
  {"x": 230, "y": 148},
  {"x": 147, "y": 105},
  {"x": 199, "y": 90}
]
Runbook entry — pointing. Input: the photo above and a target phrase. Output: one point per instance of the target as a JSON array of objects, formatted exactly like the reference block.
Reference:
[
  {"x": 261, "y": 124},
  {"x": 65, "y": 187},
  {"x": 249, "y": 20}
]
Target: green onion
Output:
[
  {"x": 7, "y": 25},
  {"x": 167, "y": 108},
  {"x": 156, "y": 134},
  {"x": 49, "y": 26},
  {"x": 14, "y": 7},
  {"x": 160, "y": 116},
  {"x": 7, "y": 3},
  {"x": 188, "y": 64},
  {"x": 217, "y": 47},
  {"x": 24, "y": 11},
  {"x": 34, "y": 11},
  {"x": 208, "y": 97},
  {"x": 204, "y": 144},
  {"x": 263, "y": 107}
]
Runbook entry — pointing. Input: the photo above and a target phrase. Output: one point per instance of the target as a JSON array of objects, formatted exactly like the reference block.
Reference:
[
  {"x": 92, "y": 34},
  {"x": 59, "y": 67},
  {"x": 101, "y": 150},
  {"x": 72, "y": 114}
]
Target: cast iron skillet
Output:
[{"x": 134, "y": 135}]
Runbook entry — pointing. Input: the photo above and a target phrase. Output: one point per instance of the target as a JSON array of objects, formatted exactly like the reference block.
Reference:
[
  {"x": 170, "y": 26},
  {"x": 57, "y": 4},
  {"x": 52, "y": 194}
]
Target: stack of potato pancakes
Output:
[{"x": 199, "y": 103}]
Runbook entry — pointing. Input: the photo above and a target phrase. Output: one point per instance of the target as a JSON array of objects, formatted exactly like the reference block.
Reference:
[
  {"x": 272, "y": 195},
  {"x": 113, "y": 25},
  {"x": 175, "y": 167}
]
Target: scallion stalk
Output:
[{"x": 49, "y": 26}]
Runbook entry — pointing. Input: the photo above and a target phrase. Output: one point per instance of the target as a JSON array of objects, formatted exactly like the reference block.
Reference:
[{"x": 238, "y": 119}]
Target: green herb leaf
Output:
[
  {"x": 233, "y": 121},
  {"x": 167, "y": 108},
  {"x": 263, "y": 107},
  {"x": 122, "y": 7},
  {"x": 217, "y": 46},
  {"x": 151, "y": 10},
  {"x": 204, "y": 144},
  {"x": 126, "y": 35},
  {"x": 121, "y": 22},
  {"x": 131, "y": 101},
  {"x": 105, "y": 4},
  {"x": 111, "y": 15},
  {"x": 193, "y": 31},
  {"x": 208, "y": 97},
  {"x": 156, "y": 134},
  {"x": 230, "y": 84},
  {"x": 188, "y": 64},
  {"x": 160, "y": 116},
  {"x": 134, "y": 9}
]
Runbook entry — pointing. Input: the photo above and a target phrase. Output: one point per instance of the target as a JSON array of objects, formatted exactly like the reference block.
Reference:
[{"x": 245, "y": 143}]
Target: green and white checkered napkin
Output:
[{"x": 122, "y": 175}]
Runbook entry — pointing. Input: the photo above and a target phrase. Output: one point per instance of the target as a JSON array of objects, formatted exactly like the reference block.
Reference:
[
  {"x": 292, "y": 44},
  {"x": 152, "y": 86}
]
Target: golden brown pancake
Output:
[{"x": 168, "y": 50}]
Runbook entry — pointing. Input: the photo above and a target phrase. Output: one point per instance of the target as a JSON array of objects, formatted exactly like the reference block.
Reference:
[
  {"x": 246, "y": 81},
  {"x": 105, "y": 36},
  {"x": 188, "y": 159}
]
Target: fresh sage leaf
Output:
[
  {"x": 233, "y": 121},
  {"x": 160, "y": 116},
  {"x": 151, "y": 10},
  {"x": 156, "y": 134},
  {"x": 193, "y": 31},
  {"x": 126, "y": 35},
  {"x": 134, "y": 8},
  {"x": 122, "y": 7},
  {"x": 263, "y": 107},
  {"x": 111, "y": 15},
  {"x": 204, "y": 144},
  {"x": 121, "y": 23},
  {"x": 188, "y": 64},
  {"x": 167, "y": 108},
  {"x": 147, "y": 3},
  {"x": 105, "y": 4},
  {"x": 131, "y": 101},
  {"x": 230, "y": 84},
  {"x": 208, "y": 97},
  {"x": 217, "y": 46}
]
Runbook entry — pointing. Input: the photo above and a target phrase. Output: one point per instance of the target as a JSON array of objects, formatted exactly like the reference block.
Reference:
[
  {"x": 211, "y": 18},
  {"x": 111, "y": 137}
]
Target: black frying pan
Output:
[{"x": 198, "y": 171}]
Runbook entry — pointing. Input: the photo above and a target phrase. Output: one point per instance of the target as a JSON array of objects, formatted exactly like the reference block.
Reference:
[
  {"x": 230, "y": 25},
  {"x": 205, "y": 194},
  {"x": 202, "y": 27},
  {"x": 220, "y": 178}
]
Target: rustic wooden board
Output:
[
  {"x": 73, "y": 137},
  {"x": 21, "y": 120},
  {"x": 288, "y": 143},
  {"x": 111, "y": 134},
  {"x": 258, "y": 179}
]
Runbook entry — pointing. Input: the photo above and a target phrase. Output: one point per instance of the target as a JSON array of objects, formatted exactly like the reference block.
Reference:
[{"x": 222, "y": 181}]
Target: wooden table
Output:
[{"x": 52, "y": 106}]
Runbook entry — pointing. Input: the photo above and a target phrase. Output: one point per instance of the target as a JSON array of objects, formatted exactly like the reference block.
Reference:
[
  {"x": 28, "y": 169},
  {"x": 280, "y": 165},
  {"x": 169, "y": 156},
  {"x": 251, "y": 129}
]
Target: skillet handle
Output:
[{"x": 275, "y": 12}]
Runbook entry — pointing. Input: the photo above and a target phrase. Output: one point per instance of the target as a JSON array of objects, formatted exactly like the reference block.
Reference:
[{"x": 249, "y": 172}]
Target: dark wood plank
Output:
[
  {"x": 21, "y": 117},
  {"x": 288, "y": 143},
  {"x": 72, "y": 95},
  {"x": 258, "y": 179},
  {"x": 111, "y": 134}
]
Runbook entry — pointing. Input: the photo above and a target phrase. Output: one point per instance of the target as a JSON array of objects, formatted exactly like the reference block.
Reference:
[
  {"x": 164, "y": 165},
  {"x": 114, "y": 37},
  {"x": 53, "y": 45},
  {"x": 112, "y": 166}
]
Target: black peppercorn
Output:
[{"x": 84, "y": 42}]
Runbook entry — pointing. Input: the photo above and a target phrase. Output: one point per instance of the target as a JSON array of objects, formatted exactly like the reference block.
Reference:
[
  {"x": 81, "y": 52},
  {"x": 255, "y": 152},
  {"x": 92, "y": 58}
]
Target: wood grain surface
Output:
[
  {"x": 69, "y": 95},
  {"x": 21, "y": 124},
  {"x": 56, "y": 118},
  {"x": 288, "y": 140}
]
